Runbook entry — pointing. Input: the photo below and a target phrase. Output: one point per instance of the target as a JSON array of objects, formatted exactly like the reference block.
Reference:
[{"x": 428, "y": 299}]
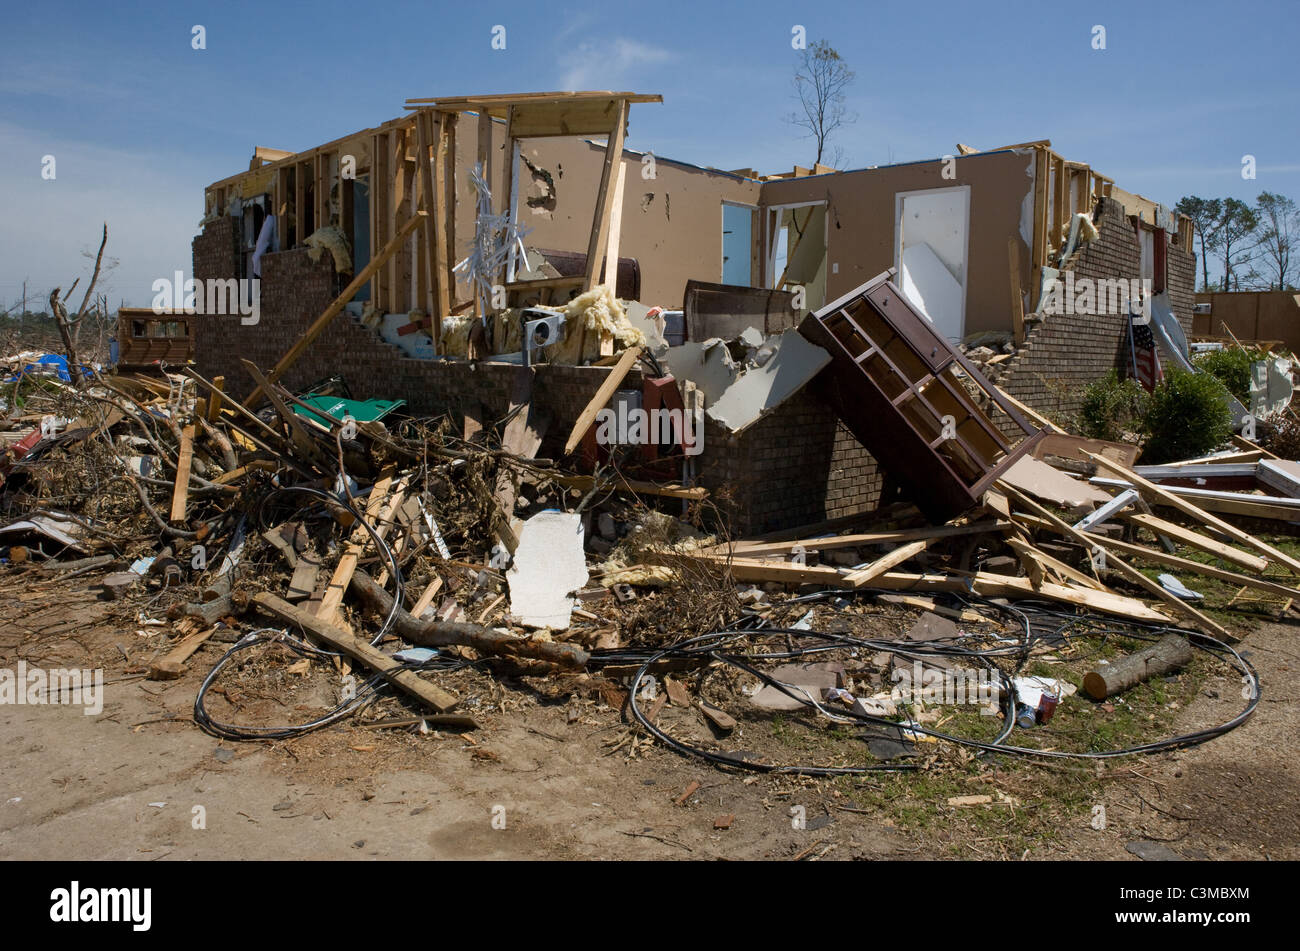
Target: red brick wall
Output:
[{"x": 1063, "y": 353}]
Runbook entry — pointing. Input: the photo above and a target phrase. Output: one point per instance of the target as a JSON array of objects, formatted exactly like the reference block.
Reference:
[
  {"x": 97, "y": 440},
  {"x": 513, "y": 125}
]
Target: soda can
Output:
[{"x": 1046, "y": 706}]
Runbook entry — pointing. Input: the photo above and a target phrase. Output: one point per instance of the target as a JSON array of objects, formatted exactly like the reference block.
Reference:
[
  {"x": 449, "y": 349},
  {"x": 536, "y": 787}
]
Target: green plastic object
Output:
[{"x": 363, "y": 411}]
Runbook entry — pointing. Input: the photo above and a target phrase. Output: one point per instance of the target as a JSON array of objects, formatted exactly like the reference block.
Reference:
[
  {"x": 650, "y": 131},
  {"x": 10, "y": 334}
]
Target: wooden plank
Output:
[
  {"x": 407, "y": 680},
  {"x": 863, "y": 576},
  {"x": 447, "y": 123},
  {"x": 1076, "y": 447},
  {"x": 357, "y": 542},
  {"x": 333, "y": 310},
  {"x": 1177, "y": 604},
  {"x": 427, "y": 597},
  {"x": 214, "y": 400},
  {"x": 379, "y": 233},
  {"x": 1017, "y": 295},
  {"x": 483, "y": 156},
  {"x": 1233, "y": 503},
  {"x": 431, "y": 273},
  {"x": 1186, "y": 536},
  {"x": 181, "y": 490},
  {"x": 1154, "y": 492},
  {"x": 599, "y": 241},
  {"x": 172, "y": 665},
  {"x": 445, "y": 197},
  {"x": 985, "y": 583},
  {"x": 1064, "y": 571},
  {"x": 1156, "y": 556},
  {"x": 1037, "y": 255},
  {"x": 603, "y": 395},
  {"x": 750, "y": 548},
  {"x": 403, "y": 190},
  {"x": 1033, "y": 414},
  {"x": 635, "y": 486}
]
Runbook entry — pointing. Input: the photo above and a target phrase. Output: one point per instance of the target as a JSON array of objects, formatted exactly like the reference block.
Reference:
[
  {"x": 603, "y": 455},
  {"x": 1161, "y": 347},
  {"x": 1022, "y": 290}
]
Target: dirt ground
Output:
[{"x": 564, "y": 777}]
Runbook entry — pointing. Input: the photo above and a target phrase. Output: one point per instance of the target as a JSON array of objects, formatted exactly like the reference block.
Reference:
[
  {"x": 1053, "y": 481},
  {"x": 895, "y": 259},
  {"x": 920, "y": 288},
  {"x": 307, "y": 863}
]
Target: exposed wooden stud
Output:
[
  {"x": 599, "y": 241},
  {"x": 444, "y": 194},
  {"x": 1017, "y": 295}
]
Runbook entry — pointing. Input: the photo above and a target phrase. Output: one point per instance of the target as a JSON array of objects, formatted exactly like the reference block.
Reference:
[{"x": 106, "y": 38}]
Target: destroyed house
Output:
[{"x": 390, "y": 258}]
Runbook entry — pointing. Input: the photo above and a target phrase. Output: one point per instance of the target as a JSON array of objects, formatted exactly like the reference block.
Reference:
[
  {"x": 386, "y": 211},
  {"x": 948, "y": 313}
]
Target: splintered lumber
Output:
[
  {"x": 1186, "y": 564},
  {"x": 746, "y": 549},
  {"x": 670, "y": 490},
  {"x": 1169, "y": 653},
  {"x": 1029, "y": 553},
  {"x": 357, "y": 542},
  {"x": 181, "y": 491},
  {"x": 1127, "y": 570},
  {"x": 417, "y": 611},
  {"x": 863, "y": 576},
  {"x": 1153, "y": 491},
  {"x": 483, "y": 639},
  {"x": 358, "y": 650},
  {"x": 172, "y": 665},
  {"x": 984, "y": 583},
  {"x": 214, "y": 400},
  {"x": 603, "y": 394},
  {"x": 1276, "y": 507},
  {"x": 1036, "y": 416},
  {"x": 1158, "y": 526},
  {"x": 334, "y": 309}
]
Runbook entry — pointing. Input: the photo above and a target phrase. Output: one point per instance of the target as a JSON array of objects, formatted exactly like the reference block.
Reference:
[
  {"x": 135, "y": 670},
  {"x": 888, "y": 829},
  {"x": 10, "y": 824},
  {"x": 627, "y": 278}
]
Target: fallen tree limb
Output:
[{"x": 446, "y": 633}]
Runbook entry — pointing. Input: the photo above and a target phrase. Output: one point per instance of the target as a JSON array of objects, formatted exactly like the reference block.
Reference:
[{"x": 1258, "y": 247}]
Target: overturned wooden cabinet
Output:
[{"x": 898, "y": 386}]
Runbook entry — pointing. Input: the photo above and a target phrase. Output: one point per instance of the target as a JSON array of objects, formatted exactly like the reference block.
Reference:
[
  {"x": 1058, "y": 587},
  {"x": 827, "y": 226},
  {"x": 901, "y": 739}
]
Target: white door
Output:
[{"x": 930, "y": 250}]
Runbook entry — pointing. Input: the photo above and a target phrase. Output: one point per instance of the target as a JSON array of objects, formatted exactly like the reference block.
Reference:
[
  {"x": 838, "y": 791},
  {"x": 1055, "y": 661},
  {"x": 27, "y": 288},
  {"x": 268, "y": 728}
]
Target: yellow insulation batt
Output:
[{"x": 333, "y": 240}]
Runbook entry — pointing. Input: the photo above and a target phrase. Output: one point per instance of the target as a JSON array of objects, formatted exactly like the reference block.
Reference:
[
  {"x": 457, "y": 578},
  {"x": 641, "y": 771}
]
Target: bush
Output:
[
  {"x": 1231, "y": 367},
  {"x": 1111, "y": 407},
  {"x": 1186, "y": 416}
]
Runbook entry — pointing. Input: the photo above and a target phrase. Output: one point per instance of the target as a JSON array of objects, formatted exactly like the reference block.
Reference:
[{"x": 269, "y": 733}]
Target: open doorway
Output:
[
  {"x": 796, "y": 250},
  {"x": 930, "y": 252}
]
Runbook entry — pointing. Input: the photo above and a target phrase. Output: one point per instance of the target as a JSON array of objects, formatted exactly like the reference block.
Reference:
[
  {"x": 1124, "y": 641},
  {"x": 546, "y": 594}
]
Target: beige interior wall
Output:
[
  {"x": 861, "y": 230},
  {"x": 672, "y": 224}
]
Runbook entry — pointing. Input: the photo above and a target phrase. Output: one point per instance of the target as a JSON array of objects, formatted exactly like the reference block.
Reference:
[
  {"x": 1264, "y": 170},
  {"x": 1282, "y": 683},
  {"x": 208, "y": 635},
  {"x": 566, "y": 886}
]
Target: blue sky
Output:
[{"x": 139, "y": 122}]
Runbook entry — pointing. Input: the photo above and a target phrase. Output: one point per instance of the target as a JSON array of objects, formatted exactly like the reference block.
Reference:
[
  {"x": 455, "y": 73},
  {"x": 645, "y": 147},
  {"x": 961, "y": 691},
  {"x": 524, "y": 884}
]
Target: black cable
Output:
[
  {"x": 366, "y": 691},
  {"x": 712, "y": 646}
]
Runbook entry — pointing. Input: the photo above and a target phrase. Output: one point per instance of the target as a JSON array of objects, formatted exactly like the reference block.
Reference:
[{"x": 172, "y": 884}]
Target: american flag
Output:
[{"x": 1146, "y": 361}]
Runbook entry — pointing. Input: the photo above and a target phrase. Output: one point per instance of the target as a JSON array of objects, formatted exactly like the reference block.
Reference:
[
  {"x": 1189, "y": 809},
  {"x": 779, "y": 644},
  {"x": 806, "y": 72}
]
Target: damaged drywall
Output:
[{"x": 549, "y": 566}]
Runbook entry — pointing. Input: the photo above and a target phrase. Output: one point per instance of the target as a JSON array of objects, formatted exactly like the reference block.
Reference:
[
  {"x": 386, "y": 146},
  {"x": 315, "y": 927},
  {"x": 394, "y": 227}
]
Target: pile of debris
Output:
[{"x": 313, "y": 533}]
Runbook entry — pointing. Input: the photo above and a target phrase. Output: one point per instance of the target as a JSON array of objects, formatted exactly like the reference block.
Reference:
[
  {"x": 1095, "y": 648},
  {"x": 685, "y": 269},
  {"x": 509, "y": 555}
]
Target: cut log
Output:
[
  {"x": 1169, "y": 653},
  {"x": 482, "y": 639}
]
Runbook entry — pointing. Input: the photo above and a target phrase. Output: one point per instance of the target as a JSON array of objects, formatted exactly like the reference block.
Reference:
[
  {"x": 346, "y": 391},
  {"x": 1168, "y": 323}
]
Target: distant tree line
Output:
[{"x": 1254, "y": 243}]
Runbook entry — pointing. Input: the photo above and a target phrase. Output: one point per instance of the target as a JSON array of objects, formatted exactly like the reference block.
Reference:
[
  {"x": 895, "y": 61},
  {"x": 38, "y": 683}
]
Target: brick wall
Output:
[
  {"x": 795, "y": 466},
  {"x": 1063, "y": 353}
]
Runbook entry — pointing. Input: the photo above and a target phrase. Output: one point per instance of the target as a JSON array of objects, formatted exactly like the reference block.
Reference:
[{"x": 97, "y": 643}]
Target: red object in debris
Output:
[{"x": 27, "y": 443}]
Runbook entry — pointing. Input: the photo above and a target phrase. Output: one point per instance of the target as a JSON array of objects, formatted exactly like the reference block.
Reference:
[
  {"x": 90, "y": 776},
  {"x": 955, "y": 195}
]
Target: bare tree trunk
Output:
[
  {"x": 61, "y": 318},
  {"x": 90, "y": 288}
]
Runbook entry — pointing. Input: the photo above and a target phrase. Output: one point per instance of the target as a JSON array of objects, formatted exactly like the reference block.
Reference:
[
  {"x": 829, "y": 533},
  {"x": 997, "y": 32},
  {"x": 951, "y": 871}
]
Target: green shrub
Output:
[
  {"x": 1186, "y": 416},
  {"x": 1111, "y": 407},
  {"x": 1231, "y": 366}
]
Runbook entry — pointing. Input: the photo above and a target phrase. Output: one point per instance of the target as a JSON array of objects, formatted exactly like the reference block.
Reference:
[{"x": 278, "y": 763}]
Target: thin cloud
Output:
[{"x": 608, "y": 65}]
